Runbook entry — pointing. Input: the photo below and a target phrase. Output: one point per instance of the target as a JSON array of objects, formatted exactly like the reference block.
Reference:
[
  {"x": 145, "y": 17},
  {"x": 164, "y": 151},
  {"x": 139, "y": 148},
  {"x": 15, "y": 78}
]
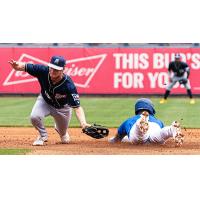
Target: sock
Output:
[
  {"x": 167, "y": 92},
  {"x": 189, "y": 93}
]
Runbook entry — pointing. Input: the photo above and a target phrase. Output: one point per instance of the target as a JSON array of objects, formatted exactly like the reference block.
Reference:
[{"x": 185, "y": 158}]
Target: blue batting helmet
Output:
[{"x": 144, "y": 104}]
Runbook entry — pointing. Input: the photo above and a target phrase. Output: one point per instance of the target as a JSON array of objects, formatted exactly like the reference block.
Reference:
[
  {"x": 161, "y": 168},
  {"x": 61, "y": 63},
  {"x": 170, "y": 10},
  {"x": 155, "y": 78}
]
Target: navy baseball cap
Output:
[{"x": 57, "y": 62}]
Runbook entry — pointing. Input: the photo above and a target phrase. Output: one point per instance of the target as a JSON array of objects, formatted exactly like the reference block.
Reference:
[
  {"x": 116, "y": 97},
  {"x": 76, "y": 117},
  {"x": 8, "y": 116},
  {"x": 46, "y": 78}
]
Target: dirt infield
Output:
[{"x": 83, "y": 145}]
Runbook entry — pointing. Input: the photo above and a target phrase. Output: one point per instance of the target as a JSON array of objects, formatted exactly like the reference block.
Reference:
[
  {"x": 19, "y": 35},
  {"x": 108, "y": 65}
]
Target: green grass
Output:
[
  {"x": 111, "y": 112},
  {"x": 14, "y": 151}
]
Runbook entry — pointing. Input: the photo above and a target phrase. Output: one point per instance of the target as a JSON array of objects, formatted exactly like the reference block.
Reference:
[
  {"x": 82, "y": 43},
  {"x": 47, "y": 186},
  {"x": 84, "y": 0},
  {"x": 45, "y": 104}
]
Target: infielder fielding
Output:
[
  {"x": 145, "y": 128},
  {"x": 57, "y": 98},
  {"x": 178, "y": 72}
]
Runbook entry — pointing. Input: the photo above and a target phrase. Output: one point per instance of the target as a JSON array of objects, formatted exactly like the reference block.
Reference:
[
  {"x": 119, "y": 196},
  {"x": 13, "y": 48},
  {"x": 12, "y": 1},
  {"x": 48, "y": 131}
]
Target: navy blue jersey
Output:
[
  {"x": 179, "y": 68},
  {"x": 59, "y": 94},
  {"x": 126, "y": 126}
]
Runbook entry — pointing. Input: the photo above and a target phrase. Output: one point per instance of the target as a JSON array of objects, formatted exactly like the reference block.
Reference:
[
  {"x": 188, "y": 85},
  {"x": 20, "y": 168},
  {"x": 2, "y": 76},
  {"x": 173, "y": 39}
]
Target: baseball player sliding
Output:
[
  {"x": 178, "y": 72},
  {"x": 57, "y": 98},
  {"x": 144, "y": 128}
]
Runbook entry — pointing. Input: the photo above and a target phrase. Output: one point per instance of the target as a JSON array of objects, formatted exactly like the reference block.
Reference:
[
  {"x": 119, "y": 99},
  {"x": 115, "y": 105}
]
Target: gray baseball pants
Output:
[
  {"x": 175, "y": 79},
  {"x": 41, "y": 110}
]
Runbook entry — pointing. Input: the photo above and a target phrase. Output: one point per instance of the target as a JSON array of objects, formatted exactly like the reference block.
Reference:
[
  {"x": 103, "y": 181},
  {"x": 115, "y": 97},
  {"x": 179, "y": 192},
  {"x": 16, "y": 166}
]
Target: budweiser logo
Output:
[{"x": 81, "y": 70}]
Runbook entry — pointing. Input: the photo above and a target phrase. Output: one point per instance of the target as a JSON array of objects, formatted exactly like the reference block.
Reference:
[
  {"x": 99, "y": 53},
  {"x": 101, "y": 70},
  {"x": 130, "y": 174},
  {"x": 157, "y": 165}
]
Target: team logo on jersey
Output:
[
  {"x": 60, "y": 96},
  {"x": 81, "y": 70}
]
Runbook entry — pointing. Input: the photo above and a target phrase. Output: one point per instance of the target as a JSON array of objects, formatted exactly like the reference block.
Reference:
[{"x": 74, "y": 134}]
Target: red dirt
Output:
[{"x": 82, "y": 144}]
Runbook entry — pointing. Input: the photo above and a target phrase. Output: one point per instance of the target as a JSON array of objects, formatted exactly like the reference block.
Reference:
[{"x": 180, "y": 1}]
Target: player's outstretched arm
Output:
[
  {"x": 18, "y": 66},
  {"x": 81, "y": 117}
]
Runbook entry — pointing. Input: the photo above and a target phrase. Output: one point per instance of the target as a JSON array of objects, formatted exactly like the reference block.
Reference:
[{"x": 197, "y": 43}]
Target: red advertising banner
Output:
[{"x": 103, "y": 70}]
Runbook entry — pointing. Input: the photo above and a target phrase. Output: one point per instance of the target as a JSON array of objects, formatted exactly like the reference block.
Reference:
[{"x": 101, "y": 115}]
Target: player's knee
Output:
[
  {"x": 35, "y": 119},
  {"x": 168, "y": 88},
  {"x": 187, "y": 87}
]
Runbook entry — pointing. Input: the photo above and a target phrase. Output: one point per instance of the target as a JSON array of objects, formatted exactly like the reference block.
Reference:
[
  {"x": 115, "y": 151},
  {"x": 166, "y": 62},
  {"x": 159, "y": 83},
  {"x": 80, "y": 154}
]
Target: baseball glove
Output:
[
  {"x": 96, "y": 131},
  {"x": 183, "y": 81}
]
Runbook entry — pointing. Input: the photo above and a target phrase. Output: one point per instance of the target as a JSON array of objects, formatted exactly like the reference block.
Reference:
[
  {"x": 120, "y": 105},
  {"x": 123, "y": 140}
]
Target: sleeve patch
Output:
[{"x": 76, "y": 97}]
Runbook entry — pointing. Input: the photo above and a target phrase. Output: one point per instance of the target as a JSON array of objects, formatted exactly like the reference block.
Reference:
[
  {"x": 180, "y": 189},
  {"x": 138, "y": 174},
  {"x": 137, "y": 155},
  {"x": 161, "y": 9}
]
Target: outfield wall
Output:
[{"x": 102, "y": 70}]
